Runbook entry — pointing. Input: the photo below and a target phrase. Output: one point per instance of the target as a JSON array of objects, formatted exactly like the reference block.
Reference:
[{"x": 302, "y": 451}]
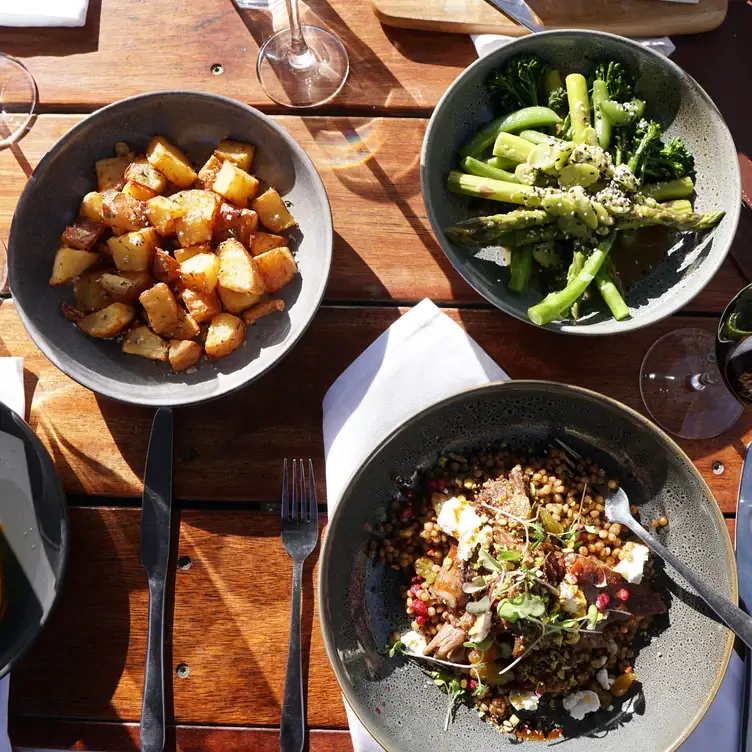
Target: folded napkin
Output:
[
  {"x": 43, "y": 12},
  {"x": 397, "y": 377}
]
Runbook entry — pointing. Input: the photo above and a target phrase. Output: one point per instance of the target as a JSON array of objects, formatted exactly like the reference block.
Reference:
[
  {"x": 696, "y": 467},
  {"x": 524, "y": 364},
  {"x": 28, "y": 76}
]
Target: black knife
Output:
[
  {"x": 155, "y": 557},
  {"x": 744, "y": 568}
]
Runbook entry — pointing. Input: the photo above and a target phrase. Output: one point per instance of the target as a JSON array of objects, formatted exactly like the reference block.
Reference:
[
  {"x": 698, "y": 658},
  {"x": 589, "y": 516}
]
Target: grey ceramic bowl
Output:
[
  {"x": 196, "y": 123},
  {"x": 673, "y": 98},
  {"x": 360, "y": 606},
  {"x": 33, "y": 537}
]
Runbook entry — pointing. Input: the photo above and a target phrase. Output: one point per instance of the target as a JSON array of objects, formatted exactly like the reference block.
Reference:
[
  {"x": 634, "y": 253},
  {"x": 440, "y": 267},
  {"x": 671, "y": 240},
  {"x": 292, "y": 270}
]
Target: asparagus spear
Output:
[
  {"x": 474, "y": 166},
  {"x": 513, "y": 147},
  {"x": 602, "y": 125},
  {"x": 579, "y": 106},
  {"x": 512, "y": 239},
  {"x": 578, "y": 261},
  {"x": 496, "y": 190},
  {"x": 669, "y": 189},
  {"x": 610, "y": 293},
  {"x": 520, "y": 266},
  {"x": 643, "y": 216},
  {"x": 487, "y": 230},
  {"x": 555, "y": 303}
]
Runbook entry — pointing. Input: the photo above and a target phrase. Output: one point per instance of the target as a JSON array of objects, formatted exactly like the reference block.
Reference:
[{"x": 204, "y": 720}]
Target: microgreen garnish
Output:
[{"x": 521, "y": 607}]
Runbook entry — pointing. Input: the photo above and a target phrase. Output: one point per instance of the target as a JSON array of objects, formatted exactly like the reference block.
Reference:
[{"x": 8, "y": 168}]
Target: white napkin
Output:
[
  {"x": 12, "y": 395},
  {"x": 43, "y": 12},
  {"x": 408, "y": 368}
]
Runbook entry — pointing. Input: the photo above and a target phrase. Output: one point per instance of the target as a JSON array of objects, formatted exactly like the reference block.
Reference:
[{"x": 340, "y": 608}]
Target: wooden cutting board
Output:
[{"x": 634, "y": 18}]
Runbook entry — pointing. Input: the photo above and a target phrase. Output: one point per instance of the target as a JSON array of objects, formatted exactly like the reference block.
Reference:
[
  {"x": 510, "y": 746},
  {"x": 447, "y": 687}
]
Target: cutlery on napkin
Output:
[
  {"x": 423, "y": 358},
  {"x": 43, "y": 12}
]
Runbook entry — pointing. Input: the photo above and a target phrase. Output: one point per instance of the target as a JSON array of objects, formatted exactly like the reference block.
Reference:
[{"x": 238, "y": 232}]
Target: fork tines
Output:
[{"x": 304, "y": 507}]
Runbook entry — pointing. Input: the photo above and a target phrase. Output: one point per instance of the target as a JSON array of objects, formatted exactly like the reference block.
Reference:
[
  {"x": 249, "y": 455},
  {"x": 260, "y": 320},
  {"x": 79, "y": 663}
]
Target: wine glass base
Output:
[
  {"x": 305, "y": 80},
  {"x": 682, "y": 387}
]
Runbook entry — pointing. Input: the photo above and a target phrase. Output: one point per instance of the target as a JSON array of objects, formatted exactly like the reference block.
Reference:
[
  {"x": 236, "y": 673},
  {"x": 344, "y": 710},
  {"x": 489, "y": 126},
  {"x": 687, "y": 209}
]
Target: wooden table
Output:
[{"x": 80, "y": 686}]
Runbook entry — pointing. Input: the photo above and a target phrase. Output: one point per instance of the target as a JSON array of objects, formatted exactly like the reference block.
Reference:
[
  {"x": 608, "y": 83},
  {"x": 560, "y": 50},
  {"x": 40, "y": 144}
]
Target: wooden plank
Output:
[
  {"x": 176, "y": 44},
  {"x": 384, "y": 248},
  {"x": 229, "y": 625},
  {"x": 635, "y": 18},
  {"x": 233, "y": 449}
]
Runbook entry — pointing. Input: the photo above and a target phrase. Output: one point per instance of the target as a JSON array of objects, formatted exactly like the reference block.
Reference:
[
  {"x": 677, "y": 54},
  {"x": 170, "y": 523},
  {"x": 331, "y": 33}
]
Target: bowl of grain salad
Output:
[{"x": 473, "y": 592}]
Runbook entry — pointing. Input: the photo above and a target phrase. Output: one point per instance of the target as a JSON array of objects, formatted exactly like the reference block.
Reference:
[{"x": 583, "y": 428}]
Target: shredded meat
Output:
[
  {"x": 447, "y": 640},
  {"x": 448, "y": 582},
  {"x": 509, "y": 494}
]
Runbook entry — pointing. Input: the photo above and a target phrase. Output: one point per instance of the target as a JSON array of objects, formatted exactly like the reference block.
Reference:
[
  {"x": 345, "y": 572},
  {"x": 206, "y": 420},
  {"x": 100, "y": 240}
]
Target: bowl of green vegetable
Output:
[{"x": 581, "y": 182}]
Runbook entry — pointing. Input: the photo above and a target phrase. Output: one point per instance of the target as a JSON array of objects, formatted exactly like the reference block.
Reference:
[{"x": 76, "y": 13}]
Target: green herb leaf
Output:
[
  {"x": 488, "y": 562},
  {"x": 508, "y": 555},
  {"x": 396, "y": 647},
  {"x": 479, "y": 607},
  {"x": 483, "y": 645},
  {"x": 537, "y": 534},
  {"x": 523, "y": 606},
  {"x": 594, "y": 616},
  {"x": 479, "y": 689}
]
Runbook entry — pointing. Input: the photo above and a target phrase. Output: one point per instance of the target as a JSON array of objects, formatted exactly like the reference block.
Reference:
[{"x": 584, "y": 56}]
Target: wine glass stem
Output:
[
  {"x": 699, "y": 381},
  {"x": 299, "y": 48}
]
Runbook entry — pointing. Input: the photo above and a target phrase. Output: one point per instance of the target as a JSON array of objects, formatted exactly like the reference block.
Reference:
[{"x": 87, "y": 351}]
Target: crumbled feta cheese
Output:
[
  {"x": 479, "y": 631},
  {"x": 524, "y": 700},
  {"x": 414, "y": 642},
  {"x": 602, "y": 679},
  {"x": 599, "y": 662},
  {"x": 579, "y": 704},
  {"x": 632, "y": 565},
  {"x": 572, "y": 599},
  {"x": 458, "y": 519}
]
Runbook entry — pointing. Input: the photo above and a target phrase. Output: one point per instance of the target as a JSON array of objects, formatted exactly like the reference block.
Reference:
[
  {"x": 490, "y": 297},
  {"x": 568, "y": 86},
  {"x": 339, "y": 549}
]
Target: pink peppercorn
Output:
[
  {"x": 406, "y": 513},
  {"x": 420, "y": 608},
  {"x": 622, "y": 594},
  {"x": 472, "y": 684},
  {"x": 602, "y": 601},
  {"x": 421, "y": 620}
]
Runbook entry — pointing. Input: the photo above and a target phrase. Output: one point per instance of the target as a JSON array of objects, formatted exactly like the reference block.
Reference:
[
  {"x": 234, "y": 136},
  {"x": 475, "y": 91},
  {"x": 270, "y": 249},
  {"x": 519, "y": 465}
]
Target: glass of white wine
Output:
[{"x": 18, "y": 99}]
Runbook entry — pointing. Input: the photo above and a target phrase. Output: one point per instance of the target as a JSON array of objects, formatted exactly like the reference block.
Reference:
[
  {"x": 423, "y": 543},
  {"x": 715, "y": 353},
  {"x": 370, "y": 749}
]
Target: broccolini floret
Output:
[
  {"x": 618, "y": 79},
  {"x": 519, "y": 83},
  {"x": 672, "y": 161}
]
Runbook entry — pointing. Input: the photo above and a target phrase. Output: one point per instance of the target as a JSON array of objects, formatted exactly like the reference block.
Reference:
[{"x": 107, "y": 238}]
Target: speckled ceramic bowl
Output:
[
  {"x": 196, "y": 122},
  {"x": 673, "y": 98},
  {"x": 680, "y": 669}
]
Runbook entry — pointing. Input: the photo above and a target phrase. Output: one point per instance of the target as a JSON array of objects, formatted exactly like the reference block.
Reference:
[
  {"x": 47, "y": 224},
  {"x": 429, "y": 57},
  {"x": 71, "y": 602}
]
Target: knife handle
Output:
[{"x": 153, "y": 708}]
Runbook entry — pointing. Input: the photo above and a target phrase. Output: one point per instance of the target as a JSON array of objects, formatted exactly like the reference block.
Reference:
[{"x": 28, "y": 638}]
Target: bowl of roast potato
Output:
[{"x": 170, "y": 248}]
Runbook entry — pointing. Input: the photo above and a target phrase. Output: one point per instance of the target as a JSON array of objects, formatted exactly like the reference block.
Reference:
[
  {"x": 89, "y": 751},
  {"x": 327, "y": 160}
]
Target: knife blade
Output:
[
  {"x": 519, "y": 11},
  {"x": 744, "y": 568},
  {"x": 155, "y": 557}
]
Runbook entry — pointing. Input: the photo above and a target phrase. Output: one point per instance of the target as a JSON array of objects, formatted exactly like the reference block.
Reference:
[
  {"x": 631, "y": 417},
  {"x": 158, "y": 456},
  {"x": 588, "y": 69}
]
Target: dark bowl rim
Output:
[
  {"x": 325, "y": 622},
  {"x": 583, "y": 329},
  {"x": 130, "y": 397},
  {"x": 29, "y": 642}
]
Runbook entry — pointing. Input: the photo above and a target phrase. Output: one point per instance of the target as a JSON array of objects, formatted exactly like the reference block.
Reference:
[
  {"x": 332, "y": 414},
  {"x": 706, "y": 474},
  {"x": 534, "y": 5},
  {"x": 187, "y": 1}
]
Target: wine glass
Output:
[
  {"x": 18, "y": 99},
  {"x": 302, "y": 66}
]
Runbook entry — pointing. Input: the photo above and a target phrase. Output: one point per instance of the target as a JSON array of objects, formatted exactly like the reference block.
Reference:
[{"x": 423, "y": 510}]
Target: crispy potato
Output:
[
  {"x": 133, "y": 252},
  {"x": 170, "y": 161},
  {"x": 164, "y": 267},
  {"x": 83, "y": 234},
  {"x": 200, "y": 272},
  {"x": 122, "y": 149},
  {"x": 226, "y": 334},
  {"x": 69, "y": 263},
  {"x": 183, "y": 254},
  {"x": 162, "y": 212},
  {"x": 139, "y": 192},
  {"x": 272, "y": 211},
  {"x": 265, "y": 241},
  {"x": 123, "y": 213},
  {"x": 201, "y": 305},
  {"x": 236, "y": 302},
  {"x": 209, "y": 171},
  {"x": 71, "y": 312},
  {"x": 238, "y": 270},
  {"x": 111, "y": 172},
  {"x": 143, "y": 173},
  {"x": 125, "y": 287},
  {"x": 144, "y": 342},
  {"x": 277, "y": 267},
  {"x": 235, "y": 223},
  {"x": 236, "y": 152},
  {"x": 186, "y": 328},
  {"x": 108, "y": 322},
  {"x": 252, "y": 315},
  {"x": 90, "y": 295},
  {"x": 92, "y": 207},
  {"x": 234, "y": 184},
  {"x": 161, "y": 308},
  {"x": 197, "y": 226},
  {"x": 184, "y": 354}
]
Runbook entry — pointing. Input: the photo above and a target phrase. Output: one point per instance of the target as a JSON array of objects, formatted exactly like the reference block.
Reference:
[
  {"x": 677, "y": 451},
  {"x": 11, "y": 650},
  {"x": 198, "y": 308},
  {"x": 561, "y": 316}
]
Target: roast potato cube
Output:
[
  {"x": 277, "y": 267},
  {"x": 144, "y": 342},
  {"x": 226, "y": 334},
  {"x": 125, "y": 287},
  {"x": 108, "y": 322},
  {"x": 162, "y": 212},
  {"x": 145, "y": 174},
  {"x": 123, "y": 213},
  {"x": 71, "y": 312},
  {"x": 236, "y": 302},
  {"x": 197, "y": 226},
  {"x": 235, "y": 223},
  {"x": 209, "y": 171},
  {"x": 236, "y": 185},
  {"x": 139, "y": 192},
  {"x": 236, "y": 152},
  {"x": 111, "y": 172},
  {"x": 90, "y": 295},
  {"x": 186, "y": 328},
  {"x": 183, "y": 254},
  {"x": 265, "y": 241},
  {"x": 83, "y": 234},
  {"x": 161, "y": 308},
  {"x": 184, "y": 354},
  {"x": 92, "y": 207},
  {"x": 238, "y": 270},
  {"x": 272, "y": 211},
  {"x": 164, "y": 267},
  {"x": 252, "y": 315},
  {"x": 69, "y": 263},
  {"x": 201, "y": 305},
  {"x": 200, "y": 272},
  {"x": 133, "y": 252},
  {"x": 192, "y": 230},
  {"x": 170, "y": 161}
]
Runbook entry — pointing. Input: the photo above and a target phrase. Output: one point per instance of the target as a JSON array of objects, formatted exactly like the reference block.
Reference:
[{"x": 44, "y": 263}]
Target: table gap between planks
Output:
[{"x": 80, "y": 687}]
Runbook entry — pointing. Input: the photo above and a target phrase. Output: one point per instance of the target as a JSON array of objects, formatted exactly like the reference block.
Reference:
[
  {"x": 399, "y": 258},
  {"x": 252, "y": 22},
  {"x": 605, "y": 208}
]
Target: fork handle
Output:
[
  {"x": 732, "y": 616},
  {"x": 292, "y": 727}
]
